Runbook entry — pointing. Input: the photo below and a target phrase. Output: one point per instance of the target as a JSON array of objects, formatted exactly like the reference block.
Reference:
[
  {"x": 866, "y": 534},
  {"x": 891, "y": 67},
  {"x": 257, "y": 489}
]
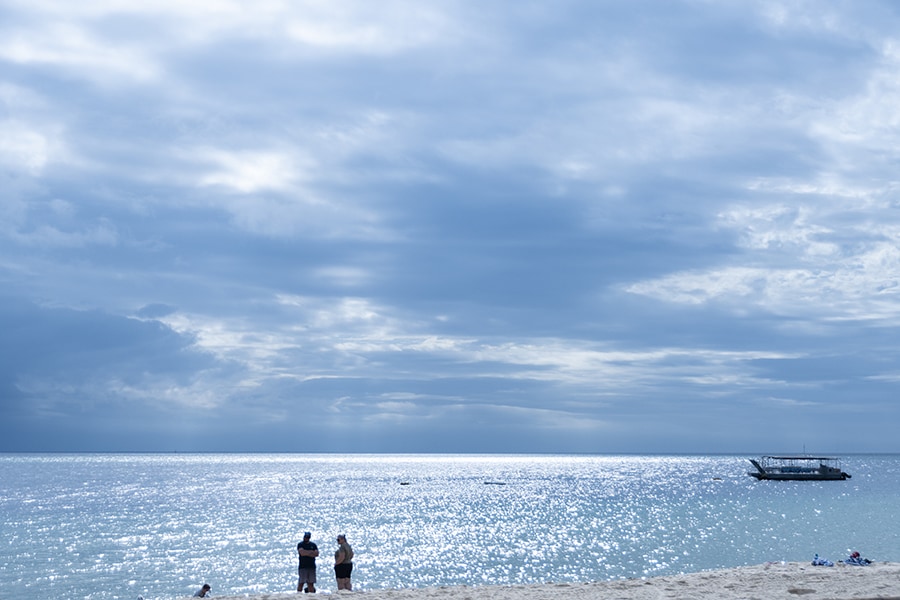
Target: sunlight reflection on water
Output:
[{"x": 115, "y": 526}]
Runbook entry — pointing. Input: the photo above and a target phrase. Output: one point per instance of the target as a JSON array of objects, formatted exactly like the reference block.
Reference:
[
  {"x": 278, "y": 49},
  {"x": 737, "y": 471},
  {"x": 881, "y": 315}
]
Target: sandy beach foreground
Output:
[{"x": 771, "y": 581}]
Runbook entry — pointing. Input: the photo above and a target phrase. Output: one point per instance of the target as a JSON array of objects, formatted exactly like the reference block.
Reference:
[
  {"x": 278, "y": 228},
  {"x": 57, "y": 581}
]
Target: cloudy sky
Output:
[{"x": 449, "y": 226}]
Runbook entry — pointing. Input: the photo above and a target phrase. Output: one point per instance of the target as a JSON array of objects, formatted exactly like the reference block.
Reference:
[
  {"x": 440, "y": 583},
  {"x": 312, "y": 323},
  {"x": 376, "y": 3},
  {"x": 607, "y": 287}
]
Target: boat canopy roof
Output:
[{"x": 801, "y": 457}]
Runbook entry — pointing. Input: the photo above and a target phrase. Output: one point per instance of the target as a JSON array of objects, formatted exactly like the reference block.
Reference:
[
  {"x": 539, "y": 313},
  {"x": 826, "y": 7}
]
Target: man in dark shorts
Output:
[{"x": 307, "y": 568}]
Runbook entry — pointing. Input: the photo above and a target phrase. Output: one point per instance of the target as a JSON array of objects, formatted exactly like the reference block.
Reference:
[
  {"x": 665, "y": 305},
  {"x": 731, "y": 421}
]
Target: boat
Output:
[{"x": 798, "y": 468}]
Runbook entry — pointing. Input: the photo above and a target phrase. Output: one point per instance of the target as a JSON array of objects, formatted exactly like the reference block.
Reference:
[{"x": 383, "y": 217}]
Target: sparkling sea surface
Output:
[{"x": 116, "y": 526}]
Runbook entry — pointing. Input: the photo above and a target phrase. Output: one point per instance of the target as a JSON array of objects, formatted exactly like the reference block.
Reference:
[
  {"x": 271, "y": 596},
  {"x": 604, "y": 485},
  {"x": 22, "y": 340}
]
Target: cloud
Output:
[
  {"x": 85, "y": 366},
  {"x": 22, "y": 148},
  {"x": 825, "y": 257},
  {"x": 155, "y": 311},
  {"x": 449, "y": 227},
  {"x": 72, "y": 48},
  {"x": 250, "y": 172},
  {"x": 392, "y": 28}
]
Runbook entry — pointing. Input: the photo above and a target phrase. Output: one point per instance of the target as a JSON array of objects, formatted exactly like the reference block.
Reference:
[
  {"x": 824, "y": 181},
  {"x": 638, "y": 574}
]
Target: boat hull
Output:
[{"x": 800, "y": 476}]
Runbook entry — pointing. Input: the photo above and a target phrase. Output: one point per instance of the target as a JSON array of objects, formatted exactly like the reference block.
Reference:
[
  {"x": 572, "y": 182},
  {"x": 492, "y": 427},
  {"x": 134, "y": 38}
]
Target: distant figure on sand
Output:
[
  {"x": 857, "y": 560},
  {"x": 343, "y": 563},
  {"x": 202, "y": 592},
  {"x": 307, "y": 568}
]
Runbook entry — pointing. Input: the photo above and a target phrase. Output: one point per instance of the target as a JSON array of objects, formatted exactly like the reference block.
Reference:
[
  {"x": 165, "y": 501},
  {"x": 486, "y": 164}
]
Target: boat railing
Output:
[{"x": 786, "y": 463}]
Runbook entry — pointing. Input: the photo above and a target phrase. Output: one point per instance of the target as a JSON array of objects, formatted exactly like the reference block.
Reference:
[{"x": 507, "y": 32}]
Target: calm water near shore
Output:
[{"x": 116, "y": 526}]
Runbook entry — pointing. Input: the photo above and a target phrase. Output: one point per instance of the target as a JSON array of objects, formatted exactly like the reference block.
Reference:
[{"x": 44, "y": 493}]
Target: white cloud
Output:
[
  {"x": 858, "y": 127},
  {"x": 23, "y": 148},
  {"x": 363, "y": 27},
  {"x": 802, "y": 15},
  {"x": 368, "y": 342},
  {"x": 777, "y": 403},
  {"x": 249, "y": 172},
  {"x": 345, "y": 27},
  {"x": 863, "y": 286},
  {"x": 84, "y": 54},
  {"x": 702, "y": 287},
  {"x": 781, "y": 226}
]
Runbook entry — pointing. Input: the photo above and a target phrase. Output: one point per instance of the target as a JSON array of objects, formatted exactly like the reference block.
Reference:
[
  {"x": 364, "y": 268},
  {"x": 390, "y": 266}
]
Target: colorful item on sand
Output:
[
  {"x": 822, "y": 562},
  {"x": 857, "y": 561}
]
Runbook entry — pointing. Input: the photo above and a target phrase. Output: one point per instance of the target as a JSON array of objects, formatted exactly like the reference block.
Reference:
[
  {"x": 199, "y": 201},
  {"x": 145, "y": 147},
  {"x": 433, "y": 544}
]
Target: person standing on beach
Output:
[
  {"x": 202, "y": 592},
  {"x": 343, "y": 563},
  {"x": 307, "y": 568}
]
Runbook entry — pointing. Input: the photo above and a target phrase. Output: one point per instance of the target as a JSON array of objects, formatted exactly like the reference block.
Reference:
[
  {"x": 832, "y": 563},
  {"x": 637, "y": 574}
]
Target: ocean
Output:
[{"x": 119, "y": 526}]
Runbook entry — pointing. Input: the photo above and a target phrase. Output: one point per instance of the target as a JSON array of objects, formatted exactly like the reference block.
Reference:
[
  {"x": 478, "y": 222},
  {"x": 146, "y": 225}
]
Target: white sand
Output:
[{"x": 771, "y": 581}]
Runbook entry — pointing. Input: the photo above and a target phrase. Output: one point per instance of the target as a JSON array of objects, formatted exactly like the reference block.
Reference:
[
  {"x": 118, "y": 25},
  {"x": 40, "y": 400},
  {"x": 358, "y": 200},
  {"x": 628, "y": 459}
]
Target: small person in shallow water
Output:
[{"x": 202, "y": 592}]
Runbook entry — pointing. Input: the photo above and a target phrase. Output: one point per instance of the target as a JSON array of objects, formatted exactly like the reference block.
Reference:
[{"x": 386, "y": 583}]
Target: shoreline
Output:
[{"x": 769, "y": 581}]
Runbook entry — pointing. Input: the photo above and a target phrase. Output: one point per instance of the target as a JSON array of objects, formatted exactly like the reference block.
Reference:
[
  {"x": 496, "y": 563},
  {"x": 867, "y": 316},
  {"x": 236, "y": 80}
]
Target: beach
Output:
[{"x": 770, "y": 581}]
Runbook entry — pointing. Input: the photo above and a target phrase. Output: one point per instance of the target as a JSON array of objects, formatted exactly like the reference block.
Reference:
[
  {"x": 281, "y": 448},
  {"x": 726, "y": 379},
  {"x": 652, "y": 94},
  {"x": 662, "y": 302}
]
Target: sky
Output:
[{"x": 580, "y": 226}]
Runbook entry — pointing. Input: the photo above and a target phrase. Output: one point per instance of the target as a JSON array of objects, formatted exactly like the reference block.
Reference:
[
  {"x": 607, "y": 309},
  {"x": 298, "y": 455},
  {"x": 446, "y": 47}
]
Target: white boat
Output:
[{"x": 798, "y": 468}]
